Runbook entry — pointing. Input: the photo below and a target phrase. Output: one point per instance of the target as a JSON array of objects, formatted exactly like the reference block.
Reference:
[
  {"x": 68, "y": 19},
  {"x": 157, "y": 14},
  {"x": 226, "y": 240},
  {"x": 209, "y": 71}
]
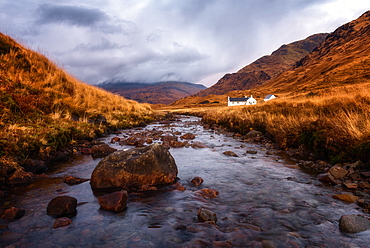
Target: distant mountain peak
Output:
[
  {"x": 164, "y": 92},
  {"x": 265, "y": 68}
]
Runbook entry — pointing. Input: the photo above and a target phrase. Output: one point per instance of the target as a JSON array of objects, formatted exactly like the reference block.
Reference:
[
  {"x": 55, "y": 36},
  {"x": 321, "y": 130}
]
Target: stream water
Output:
[{"x": 263, "y": 201}]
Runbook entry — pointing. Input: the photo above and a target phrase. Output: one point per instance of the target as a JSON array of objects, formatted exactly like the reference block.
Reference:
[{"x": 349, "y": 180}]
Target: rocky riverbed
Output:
[{"x": 232, "y": 191}]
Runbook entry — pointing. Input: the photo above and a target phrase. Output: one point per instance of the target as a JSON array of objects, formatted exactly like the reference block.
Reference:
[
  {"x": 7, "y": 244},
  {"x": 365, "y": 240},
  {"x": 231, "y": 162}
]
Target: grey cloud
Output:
[
  {"x": 153, "y": 40},
  {"x": 67, "y": 14}
]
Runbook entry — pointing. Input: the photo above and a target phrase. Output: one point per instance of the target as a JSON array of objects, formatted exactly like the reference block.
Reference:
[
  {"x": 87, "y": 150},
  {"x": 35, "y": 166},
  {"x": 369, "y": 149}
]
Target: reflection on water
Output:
[{"x": 262, "y": 203}]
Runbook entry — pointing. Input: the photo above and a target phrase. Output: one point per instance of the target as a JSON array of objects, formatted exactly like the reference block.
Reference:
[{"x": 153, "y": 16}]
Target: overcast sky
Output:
[{"x": 156, "y": 40}]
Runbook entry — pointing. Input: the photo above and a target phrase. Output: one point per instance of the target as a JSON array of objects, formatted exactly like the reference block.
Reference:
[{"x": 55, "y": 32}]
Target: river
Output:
[{"x": 264, "y": 201}]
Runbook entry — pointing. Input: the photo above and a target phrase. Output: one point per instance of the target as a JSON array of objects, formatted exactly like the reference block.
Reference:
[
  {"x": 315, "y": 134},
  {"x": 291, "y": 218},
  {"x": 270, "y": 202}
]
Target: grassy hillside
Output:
[
  {"x": 323, "y": 103},
  {"x": 336, "y": 128},
  {"x": 42, "y": 108},
  {"x": 342, "y": 59}
]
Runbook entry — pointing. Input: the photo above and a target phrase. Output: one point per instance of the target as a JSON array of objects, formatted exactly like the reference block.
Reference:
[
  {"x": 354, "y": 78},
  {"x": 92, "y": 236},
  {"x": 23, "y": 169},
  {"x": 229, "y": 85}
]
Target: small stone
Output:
[
  {"x": 338, "y": 172},
  {"x": 325, "y": 177},
  {"x": 188, "y": 136},
  {"x": 116, "y": 201},
  {"x": 364, "y": 185},
  {"x": 62, "y": 206},
  {"x": 197, "y": 181},
  {"x": 20, "y": 177},
  {"x": 179, "y": 187},
  {"x": 13, "y": 213},
  {"x": 251, "y": 152},
  {"x": 115, "y": 139},
  {"x": 60, "y": 222},
  {"x": 74, "y": 180},
  {"x": 366, "y": 173},
  {"x": 269, "y": 153},
  {"x": 86, "y": 151},
  {"x": 177, "y": 144},
  {"x": 353, "y": 223},
  {"x": 210, "y": 193},
  {"x": 346, "y": 197},
  {"x": 253, "y": 134},
  {"x": 102, "y": 150},
  {"x": 180, "y": 227},
  {"x": 230, "y": 153},
  {"x": 351, "y": 185},
  {"x": 197, "y": 144},
  {"x": 354, "y": 176},
  {"x": 205, "y": 215}
]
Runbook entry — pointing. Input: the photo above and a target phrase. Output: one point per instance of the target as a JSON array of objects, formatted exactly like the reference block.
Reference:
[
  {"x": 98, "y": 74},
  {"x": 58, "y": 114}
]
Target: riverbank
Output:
[{"x": 337, "y": 129}]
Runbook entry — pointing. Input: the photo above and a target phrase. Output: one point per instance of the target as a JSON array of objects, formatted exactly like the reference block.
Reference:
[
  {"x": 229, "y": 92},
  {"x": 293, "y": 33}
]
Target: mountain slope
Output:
[
  {"x": 265, "y": 68},
  {"x": 43, "y": 109},
  {"x": 342, "y": 59},
  {"x": 157, "y": 93}
]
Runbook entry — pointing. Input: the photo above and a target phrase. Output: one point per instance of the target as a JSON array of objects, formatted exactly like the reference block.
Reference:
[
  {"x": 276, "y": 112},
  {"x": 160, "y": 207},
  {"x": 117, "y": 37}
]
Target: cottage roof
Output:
[
  {"x": 268, "y": 96},
  {"x": 238, "y": 99}
]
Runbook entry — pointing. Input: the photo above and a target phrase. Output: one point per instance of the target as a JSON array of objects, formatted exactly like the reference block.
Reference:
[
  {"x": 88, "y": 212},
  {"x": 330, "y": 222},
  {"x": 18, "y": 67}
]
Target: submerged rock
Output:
[
  {"x": 62, "y": 206},
  {"x": 136, "y": 168},
  {"x": 197, "y": 144},
  {"x": 210, "y": 193},
  {"x": 230, "y": 153},
  {"x": 207, "y": 215},
  {"x": 74, "y": 180},
  {"x": 116, "y": 202},
  {"x": 353, "y": 223},
  {"x": 63, "y": 221}
]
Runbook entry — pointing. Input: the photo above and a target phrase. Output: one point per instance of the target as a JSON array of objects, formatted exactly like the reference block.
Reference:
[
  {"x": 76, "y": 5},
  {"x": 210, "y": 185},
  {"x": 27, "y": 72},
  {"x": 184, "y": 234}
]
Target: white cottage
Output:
[
  {"x": 269, "y": 97},
  {"x": 235, "y": 101}
]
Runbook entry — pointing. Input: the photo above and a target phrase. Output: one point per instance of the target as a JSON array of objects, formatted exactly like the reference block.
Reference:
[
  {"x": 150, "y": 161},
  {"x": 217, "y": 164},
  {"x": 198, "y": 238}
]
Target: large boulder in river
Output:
[{"x": 135, "y": 169}]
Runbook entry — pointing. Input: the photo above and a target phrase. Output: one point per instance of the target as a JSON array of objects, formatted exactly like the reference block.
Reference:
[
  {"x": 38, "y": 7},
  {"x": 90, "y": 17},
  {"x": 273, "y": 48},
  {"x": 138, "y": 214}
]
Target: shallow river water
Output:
[{"x": 264, "y": 201}]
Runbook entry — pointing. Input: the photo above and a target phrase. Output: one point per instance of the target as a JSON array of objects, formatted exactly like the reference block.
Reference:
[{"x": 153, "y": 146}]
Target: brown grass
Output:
[
  {"x": 42, "y": 108},
  {"x": 336, "y": 125}
]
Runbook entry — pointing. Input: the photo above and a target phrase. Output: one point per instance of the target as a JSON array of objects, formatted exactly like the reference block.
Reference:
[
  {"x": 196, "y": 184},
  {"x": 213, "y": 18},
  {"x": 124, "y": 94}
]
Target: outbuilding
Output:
[{"x": 269, "y": 97}]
